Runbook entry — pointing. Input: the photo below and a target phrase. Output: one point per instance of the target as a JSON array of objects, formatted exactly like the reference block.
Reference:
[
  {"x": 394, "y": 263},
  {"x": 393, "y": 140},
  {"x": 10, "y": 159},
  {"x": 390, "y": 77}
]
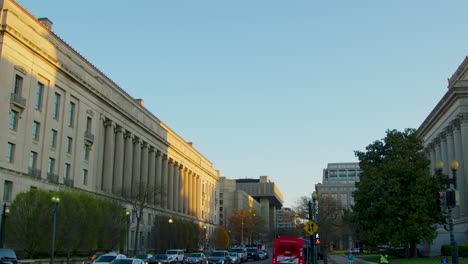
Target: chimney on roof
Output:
[
  {"x": 190, "y": 143},
  {"x": 140, "y": 101},
  {"x": 46, "y": 22}
]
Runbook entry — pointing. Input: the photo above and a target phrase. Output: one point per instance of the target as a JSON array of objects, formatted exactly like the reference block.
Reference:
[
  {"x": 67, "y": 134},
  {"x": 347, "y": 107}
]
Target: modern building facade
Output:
[
  {"x": 339, "y": 182},
  {"x": 445, "y": 136},
  {"x": 70, "y": 126},
  {"x": 285, "y": 219}
]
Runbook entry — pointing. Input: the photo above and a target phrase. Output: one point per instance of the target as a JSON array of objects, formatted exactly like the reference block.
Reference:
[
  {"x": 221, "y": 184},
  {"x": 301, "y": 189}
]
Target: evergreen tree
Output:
[{"x": 394, "y": 201}]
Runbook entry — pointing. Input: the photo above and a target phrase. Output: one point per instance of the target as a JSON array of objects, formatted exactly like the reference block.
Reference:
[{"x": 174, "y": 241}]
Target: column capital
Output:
[
  {"x": 127, "y": 134},
  {"x": 152, "y": 149},
  {"x": 144, "y": 144},
  {"x": 108, "y": 122},
  {"x": 136, "y": 140},
  {"x": 158, "y": 153},
  {"x": 118, "y": 129}
]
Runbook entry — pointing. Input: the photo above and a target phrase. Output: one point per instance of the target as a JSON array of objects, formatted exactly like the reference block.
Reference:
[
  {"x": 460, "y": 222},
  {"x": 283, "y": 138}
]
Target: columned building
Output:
[
  {"x": 70, "y": 126},
  {"x": 445, "y": 136}
]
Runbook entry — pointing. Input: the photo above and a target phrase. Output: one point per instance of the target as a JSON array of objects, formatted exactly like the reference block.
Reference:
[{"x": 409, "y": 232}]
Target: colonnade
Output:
[
  {"x": 130, "y": 163},
  {"x": 452, "y": 144}
]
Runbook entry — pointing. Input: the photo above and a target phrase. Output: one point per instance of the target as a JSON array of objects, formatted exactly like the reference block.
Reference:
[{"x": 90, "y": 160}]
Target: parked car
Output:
[
  {"x": 178, "y": 254},
  {"x": 265, "y": 252},
  {"x": 162, "y": 259},
  {"x": 8, "y": 256},
  {"x": 353, "y": 251},
  {"x": 93, "y": 258},
  {"x": 242, "y": 252},
  {"x": 252, "y": 254},
  {"x": 196, "y": 258},
  {"x": 144, "y": 257},
  {"x": 219, "y": 257},
  {"x": 128, "y": 261},
  {"x": 108, "y": 258},
  {"x": 234, "y": 258},
  {"x": 261, "y": 255}
]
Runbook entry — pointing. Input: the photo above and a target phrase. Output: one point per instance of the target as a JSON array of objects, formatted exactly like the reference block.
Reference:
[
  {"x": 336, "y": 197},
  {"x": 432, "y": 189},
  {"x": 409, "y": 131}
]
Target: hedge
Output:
[{"x": 462, "y": 250}]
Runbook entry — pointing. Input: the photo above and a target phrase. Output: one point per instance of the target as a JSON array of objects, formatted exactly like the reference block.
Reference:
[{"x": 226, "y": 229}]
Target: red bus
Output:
[{"x": 288, "y": 250}]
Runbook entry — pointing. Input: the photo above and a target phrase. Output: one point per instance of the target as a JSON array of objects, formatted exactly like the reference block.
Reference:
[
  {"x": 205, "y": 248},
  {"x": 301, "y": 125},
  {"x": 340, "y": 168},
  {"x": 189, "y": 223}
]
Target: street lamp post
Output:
[
  {"x": 454, "y": 167},
  {"x": 2, "y": 226},
  {"x": 204, "y": 238},
  {"x": 170, "y": 232},
  {"x": 128, "y": 213},
  {"x": 446, "y": 183},
  {"x": 314, "y": 216},
  {"x": 55, "y": 203},
  {"x": 242, "y": 231}
]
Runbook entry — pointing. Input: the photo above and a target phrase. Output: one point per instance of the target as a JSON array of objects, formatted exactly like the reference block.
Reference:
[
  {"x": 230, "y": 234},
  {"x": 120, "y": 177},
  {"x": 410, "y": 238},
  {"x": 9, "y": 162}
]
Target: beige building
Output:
[
  {"x": 285, "y": 220},
  {"x": 70, "y": 126},
  {"x": 445, "y": 136}
]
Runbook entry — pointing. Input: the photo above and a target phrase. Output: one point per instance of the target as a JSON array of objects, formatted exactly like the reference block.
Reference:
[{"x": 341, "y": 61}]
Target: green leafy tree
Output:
[{"x": 394, "y": 201}]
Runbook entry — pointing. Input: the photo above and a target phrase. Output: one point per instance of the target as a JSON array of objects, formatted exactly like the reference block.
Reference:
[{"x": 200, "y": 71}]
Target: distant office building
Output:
[
  {"x": 261, "y": 195},
  {"x": 285, "y": 221},
  {"x": 445, "y": 136},
  {"x": 339, "y": 181},
  {"x": 70, "y": 126}
]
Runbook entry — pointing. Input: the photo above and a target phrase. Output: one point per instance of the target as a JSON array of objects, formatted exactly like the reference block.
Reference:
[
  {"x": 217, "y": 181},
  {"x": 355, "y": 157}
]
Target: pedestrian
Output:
[
  {"x": 351, "y": 258},
  {"x": 383, "y": 258}
]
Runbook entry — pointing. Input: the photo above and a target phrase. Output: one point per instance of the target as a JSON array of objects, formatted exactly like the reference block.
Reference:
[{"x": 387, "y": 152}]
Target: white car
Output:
[
  {"x": 177, "y": 254},
  {"x": 109, "y": 257}
]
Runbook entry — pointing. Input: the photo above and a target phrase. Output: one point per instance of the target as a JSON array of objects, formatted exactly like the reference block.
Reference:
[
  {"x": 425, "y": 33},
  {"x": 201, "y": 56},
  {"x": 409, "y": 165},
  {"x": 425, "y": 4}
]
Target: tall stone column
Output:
[
  {"x": 128, "y": 163},
  {"x": 165, "y": 182},
  {"x": 136, "y": 165},
  {"x": 432, "y": 157},
  {"x": 199, "y": 196},
  {"x": 458, "y": 155},
  {"x": 185, "y": 195},
  {"x": 144, "y": 166},
  {"x": 443, "y": 152},
  {"x": 158, "y": 185},
  {"x": 119, "y": 158},
  {"x": 151, "y": 175},
  {"x": 170, "y": 187},
  {"x": 462, "y": 182},
  {"x": 191, "y": 199},
  {"x": 450, "y": 146},
  {"x": 176, "y": 189},
  {"x": 437, "y": 149},
  {"x": 108, "y": 166}
]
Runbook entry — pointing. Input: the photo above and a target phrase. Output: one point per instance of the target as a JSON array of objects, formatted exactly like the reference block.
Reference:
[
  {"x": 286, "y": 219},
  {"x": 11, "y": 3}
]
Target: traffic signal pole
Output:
[{"x": 311, "y": 254}]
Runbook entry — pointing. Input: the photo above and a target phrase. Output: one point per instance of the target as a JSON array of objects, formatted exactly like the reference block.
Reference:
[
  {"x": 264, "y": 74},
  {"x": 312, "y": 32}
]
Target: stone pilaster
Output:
[
  {"x": 176, "y": 189},
  {"x": 170, "y": 187},
  {"x": 151, "y": 175},
  {"x": 119, "y": 158},
  {"x": 136, "y": 165},
  {"x": 462, "y": 182},
  {"x": 165, "y": 182},
  {"x": 108, "y": 162},
  {"x": 144, "y": 166},
  {"x": 128, "y": 161},
  {"x": 158, "y": 185}
]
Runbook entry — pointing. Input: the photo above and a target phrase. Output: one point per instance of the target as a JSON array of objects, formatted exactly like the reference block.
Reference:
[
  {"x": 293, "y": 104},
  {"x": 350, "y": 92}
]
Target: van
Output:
[{"x": 8, "y": 256}]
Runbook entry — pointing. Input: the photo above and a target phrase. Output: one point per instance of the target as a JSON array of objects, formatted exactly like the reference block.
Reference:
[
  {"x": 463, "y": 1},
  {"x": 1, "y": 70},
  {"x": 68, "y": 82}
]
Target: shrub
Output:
[{"x": 462, "y": 250}]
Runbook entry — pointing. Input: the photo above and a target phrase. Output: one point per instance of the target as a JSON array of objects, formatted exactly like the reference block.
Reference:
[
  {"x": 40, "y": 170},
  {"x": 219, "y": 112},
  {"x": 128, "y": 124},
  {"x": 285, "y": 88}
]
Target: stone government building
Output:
[{"x": 70, "y": 126}]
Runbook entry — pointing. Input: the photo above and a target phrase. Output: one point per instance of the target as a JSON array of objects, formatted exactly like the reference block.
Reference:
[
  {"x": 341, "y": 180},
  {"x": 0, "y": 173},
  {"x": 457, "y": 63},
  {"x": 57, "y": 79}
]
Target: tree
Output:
[
  {"x": 246, "y": 225},
  {"x": 394, "y": 201},
  {"x": 221, "y": 238},
  {"x": 139, "y": 197},
  {"x": 329, "y": 220}
]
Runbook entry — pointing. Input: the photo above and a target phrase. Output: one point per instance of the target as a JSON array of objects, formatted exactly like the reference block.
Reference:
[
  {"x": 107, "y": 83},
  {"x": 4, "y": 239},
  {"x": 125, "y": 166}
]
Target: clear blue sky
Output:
[{"x": 277, "y": 87}]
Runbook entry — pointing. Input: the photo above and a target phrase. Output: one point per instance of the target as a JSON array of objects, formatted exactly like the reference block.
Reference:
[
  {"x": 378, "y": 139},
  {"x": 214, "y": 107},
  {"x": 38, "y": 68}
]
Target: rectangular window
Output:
[
  {"x": 56, "y": 109},
  {"x": 87, "y": 149},
  {"x": 33, "y": 160},
  {"x": 39, "y": 92},
  {"x": 18, "y": 85},
  {"x": 51, "y": 167},
  {"x": 35, "y": 130},
  {"x": 14, "y": 119},
  {"x": 66, "y": 173},
  {"x": 53, "y": 138},
  {"x": 85, "y": 177},
  {"x": 7, "y": 191},
  {"x": 71, "y": 114},
  {"x": 10, "y": 155},
  {"x": 69, "y": 144}
]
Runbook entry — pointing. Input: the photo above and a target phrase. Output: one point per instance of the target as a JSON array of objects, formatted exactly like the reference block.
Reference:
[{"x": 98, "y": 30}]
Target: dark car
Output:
[
  {"x": 91, "y": 259},
  {"x": 264, "y": 252},
  {"x": 144, "y": 257},
  {"x": 8, "y": 256},
  {"x": 162, "y": 259},
  {"x": 252, "y": 254},
  {"x": 219, "y": 257}
]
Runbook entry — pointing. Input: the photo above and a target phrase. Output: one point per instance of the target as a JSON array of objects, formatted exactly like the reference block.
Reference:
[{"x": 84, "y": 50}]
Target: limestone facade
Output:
[
  {"x": 445, "y": 136},
  {"x": 67, "y": 125}
]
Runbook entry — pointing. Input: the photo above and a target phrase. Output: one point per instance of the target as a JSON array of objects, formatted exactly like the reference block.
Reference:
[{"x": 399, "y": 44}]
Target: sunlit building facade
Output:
[
  {"x": 445, "y": 136},
  {"x": 67, "y": 125}
]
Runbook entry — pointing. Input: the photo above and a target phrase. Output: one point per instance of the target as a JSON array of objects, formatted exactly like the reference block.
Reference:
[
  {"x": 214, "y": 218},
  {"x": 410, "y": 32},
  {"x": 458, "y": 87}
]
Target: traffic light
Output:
[
  {"x": 453, "y": 198},
  {"x": 441, "y": 201},
  {"x": 317, "y": 241}
]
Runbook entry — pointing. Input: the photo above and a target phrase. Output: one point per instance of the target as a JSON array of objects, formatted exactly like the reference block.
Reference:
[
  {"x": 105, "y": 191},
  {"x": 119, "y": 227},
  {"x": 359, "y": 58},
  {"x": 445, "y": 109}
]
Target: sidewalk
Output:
[{"x": 343, "y": 259}]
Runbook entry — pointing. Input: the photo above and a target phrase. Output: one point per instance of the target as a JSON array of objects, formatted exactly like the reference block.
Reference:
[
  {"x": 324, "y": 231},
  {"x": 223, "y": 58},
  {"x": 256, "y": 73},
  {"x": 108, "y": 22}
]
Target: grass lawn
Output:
[{"x": 375, "y": 259}]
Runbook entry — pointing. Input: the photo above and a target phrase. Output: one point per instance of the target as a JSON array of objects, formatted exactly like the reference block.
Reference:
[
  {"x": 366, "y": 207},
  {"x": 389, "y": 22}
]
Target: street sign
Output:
[{"x": 311, "y": 227}]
